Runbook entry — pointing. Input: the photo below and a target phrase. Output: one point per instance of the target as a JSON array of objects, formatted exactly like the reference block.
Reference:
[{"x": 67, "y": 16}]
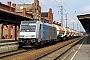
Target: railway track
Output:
[
  {"x": 39, "y": 54},
  {"x": 7, "y": 54},
  {"x": 55, "y": 54},
  {"x": 2, "y": 55}
]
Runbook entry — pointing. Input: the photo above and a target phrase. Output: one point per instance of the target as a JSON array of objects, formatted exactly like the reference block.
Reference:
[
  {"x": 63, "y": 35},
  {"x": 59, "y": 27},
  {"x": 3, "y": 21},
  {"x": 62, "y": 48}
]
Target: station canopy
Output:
[
  {"x": 11, "y": 18},
  {"x": 85, "y": 21}
]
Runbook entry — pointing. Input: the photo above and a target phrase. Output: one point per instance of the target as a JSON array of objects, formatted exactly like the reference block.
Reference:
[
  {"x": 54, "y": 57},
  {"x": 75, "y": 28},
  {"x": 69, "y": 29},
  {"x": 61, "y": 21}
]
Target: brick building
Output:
[{"x": 27, "y": 10}]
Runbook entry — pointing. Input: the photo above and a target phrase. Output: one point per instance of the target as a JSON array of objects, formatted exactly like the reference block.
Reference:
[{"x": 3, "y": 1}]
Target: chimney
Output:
[
  {"x": 14, "y": 5},
  {"x": 56, "y": 22},
  {"x": 24, "y": 11},
  {"x": 9, "y": 3}
]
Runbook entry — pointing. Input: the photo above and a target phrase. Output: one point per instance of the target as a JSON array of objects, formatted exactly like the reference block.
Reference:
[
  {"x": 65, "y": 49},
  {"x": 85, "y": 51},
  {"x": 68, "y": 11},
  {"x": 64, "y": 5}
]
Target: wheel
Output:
[
  {"x": 20, "y": 44},
  {"x": 36, "y": 45}
]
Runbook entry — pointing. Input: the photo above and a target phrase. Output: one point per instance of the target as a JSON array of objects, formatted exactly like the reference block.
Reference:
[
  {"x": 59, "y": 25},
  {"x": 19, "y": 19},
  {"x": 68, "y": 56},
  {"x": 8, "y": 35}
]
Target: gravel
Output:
[{"x": 31, "y": 55}]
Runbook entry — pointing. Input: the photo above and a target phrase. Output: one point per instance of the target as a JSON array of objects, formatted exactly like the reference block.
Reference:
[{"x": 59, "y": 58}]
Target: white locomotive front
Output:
[{"x": 35, "y": 32}]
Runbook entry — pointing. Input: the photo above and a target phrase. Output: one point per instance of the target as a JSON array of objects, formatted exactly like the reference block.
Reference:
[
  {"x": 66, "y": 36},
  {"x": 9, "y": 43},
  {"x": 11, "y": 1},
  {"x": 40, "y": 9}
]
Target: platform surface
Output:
[
  {"x": 7, "y": 40},
  {"x": 81, "y": 51}
]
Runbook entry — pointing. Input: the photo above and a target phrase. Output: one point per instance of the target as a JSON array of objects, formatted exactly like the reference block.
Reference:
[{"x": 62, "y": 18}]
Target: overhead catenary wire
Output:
[
  {"x": 74, "y": 13},
  {"x": 53, "y": 5},
  {"x": 21, "y": 1},
  {"x": 57, "y": 2},
  {"x": 28, "y": 1},
  {"x": 53, "y": 10},
  {"x": 68, "y": 7},
  {"x": 56, "y": 12},
  {"x": 50, "y": 1},
  {"x": 44, "y": 8},
  {"x": 65, "y": 9},
  {"x": 41, "y": 5}
]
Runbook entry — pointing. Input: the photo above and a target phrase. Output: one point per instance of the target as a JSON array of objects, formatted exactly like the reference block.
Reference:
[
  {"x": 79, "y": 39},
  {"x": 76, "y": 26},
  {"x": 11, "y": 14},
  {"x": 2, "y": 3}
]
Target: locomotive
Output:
[{"x": 35, "y": 33}]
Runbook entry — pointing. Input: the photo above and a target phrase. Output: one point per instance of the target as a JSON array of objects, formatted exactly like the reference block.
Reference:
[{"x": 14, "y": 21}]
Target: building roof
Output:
[
  {"x": 85, "y": 21},
  {"x": 11, "y": 18}
]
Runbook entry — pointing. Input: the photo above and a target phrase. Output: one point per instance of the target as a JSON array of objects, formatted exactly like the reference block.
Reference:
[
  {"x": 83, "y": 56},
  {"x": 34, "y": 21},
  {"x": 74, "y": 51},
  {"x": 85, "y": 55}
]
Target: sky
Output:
[{"x": 71, "y": 7}]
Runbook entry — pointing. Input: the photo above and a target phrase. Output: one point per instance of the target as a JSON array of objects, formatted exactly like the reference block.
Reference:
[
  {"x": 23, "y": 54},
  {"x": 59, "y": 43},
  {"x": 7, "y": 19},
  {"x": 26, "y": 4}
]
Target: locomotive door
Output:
[{"x": 41, "y": 31}]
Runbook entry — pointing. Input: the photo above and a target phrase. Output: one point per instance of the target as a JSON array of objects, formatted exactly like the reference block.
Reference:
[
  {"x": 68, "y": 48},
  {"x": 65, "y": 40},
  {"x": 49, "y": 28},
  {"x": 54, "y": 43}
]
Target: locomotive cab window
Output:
[
  {"x": 32, "y": 28},
  {"x": 23, "y": 27},
  {"x": 28, "y": 28}
]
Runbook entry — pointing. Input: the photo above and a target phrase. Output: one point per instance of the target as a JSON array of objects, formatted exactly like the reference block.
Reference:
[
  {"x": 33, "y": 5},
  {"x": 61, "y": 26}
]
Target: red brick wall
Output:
[
  {"x": 11, "y": 8},
  {"x": 50, "y": 16},
  {"x": 7, "y": 8}
]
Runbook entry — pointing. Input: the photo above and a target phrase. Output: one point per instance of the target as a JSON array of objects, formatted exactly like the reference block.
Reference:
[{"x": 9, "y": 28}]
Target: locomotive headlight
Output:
[
  {"x": 32, "y": 35},
  {"x": 19, "y": 40},
  {"x": 21, "y": 36}
]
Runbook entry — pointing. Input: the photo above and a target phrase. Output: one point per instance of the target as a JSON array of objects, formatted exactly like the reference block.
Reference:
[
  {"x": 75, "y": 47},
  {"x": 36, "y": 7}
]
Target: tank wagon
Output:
[
  {"x": 68, "y": 34},
  {"x": 35, "y": 33},
  {"x": 72, "y": 34},
  {"x": 61, "y": 32}
]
